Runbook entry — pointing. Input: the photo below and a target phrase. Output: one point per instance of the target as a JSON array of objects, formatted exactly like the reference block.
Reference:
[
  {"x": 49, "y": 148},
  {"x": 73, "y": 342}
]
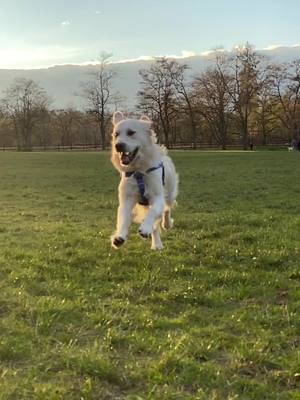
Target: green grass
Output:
[{"x": 214, "y": 316}]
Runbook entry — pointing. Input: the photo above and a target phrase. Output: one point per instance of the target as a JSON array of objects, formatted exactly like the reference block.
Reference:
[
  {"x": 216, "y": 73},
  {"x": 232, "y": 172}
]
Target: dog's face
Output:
[{"x": 130, "y": 140}]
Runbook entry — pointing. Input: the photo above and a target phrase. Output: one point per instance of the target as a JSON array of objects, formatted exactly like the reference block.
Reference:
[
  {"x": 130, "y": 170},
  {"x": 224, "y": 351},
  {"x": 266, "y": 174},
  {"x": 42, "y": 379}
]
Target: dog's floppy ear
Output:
[
  {"x": 145, "y": 118},
  {"x": 117, "y": 117}
]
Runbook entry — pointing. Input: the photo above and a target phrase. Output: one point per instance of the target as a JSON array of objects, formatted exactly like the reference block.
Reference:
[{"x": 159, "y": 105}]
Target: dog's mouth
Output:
[{"x": 127, "y": 157}]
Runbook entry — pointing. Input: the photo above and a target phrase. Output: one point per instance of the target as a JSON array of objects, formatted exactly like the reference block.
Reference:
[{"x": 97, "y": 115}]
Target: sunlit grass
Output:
[{"x": 213, "y": 316}]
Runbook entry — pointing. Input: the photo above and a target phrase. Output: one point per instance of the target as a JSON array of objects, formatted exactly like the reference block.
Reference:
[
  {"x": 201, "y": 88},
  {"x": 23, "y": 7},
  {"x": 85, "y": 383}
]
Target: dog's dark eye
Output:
[
  {"x": 117, "y": 134},
  {"x": 130, "y": 132}
]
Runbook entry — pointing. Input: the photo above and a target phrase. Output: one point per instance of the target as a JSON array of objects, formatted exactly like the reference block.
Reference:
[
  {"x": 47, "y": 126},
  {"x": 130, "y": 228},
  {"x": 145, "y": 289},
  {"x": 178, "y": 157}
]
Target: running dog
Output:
[{"x": 149, "y": 182}]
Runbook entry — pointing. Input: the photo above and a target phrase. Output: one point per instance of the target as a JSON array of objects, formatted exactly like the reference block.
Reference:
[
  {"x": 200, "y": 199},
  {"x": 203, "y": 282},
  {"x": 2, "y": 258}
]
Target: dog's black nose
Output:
[{"x": 120, "y": 147}]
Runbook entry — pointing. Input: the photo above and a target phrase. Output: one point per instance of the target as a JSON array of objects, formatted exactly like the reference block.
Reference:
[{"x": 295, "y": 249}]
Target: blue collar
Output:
[{"x": 139, "y": 177}]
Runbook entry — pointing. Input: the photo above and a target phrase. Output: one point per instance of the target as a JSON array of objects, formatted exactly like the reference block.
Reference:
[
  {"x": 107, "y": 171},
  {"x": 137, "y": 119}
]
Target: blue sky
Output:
[{"x": 41, "y": 33}]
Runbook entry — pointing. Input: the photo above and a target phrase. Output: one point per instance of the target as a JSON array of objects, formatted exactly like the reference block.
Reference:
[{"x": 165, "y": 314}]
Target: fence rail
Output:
[
  {"x": 177, "y": 146},
  {"x": 75, "y": 147}
]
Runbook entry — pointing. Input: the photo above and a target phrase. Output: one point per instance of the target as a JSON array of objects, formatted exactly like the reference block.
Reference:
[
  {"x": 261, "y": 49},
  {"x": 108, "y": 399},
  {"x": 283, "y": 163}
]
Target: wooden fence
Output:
[{"x": 177, "y": 146}]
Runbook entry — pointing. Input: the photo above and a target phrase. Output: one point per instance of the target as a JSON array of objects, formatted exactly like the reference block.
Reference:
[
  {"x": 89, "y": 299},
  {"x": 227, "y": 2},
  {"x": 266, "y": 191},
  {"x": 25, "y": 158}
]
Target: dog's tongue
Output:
[{"x": 125, "y": 158}]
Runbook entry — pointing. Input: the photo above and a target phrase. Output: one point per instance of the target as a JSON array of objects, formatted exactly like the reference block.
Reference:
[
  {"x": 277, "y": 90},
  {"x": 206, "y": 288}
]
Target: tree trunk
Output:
[
  {"x": 245, "y": 138},
  {"x": 165, "y": 131},
  {"x": 102, "y": 133},
  {"x": 194, "y": 132}
]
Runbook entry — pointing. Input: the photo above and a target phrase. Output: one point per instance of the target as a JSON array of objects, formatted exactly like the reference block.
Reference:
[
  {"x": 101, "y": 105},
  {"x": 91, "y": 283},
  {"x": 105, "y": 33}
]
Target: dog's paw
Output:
[
  {"x": 117, "y": 242},
  {"x": 145, "y": 231},
  {"x": 157, "y": 247},
  {"x": 167, "y": 223}
]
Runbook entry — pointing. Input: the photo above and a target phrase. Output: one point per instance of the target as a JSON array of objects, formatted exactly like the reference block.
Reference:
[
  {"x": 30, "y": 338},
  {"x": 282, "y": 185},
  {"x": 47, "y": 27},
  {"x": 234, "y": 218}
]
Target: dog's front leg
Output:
[
  {"x": 154, "y": 213},
  {"x": 124, "y": 219}
]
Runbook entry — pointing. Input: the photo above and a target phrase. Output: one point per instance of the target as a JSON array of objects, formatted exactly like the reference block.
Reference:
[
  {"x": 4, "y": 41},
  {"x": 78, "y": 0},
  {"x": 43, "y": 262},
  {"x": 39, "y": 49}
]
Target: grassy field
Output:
[{"x": 214, "y": 316}]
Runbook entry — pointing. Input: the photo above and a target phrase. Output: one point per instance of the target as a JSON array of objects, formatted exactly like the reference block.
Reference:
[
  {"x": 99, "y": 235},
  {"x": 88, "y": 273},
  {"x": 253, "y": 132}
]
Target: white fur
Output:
[{"x": 161, "y": 197}]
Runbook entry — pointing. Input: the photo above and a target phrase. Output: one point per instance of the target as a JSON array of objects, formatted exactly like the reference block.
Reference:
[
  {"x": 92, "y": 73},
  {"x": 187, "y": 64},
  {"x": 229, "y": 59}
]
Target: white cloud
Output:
[
  {"x": 44, "y": 57},
  {"x": 273, "y": 47},
  {"x": 214, "y": 51},
  {"x": 184, "y": 54},
  {"x": 141, "y": 58},
  {"x": 40, "y": 57},
  {"x": 65, "y": 23},
  {"x": 207, "y": 53},
  {"x": 188, "y": 53}
]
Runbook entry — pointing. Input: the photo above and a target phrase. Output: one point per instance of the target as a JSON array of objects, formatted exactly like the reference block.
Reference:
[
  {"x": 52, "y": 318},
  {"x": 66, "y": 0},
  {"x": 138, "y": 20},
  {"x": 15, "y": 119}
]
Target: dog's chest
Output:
[{"x": 143, "y": 187}]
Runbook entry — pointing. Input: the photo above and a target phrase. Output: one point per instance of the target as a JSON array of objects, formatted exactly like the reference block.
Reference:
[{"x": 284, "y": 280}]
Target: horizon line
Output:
[{"x": 184, "y": 55}]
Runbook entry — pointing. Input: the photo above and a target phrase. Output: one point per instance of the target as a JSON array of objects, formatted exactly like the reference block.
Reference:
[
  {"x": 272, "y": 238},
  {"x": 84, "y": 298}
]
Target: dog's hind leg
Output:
[
  {"x": 156, "y": 241},
  {"x": 167, "y": 221},
  {"x": 170, "y": 201}
]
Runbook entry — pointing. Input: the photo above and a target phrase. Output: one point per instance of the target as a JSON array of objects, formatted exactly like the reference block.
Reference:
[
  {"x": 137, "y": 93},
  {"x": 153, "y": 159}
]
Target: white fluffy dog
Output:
[{"x": 149, "y": 182}]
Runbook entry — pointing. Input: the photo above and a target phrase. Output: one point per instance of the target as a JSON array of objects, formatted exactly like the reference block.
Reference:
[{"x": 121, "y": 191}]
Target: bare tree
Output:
[
  {"x": 186, "y": 95},
  {"x": 24, "y": 101},
  {"x": 100, "y": 95},
  {"x": 42, "y": 130},
  {"x": 65, "y": 123},
  {"x": 7, "y": 134},
  {"x": 245, "y": 72},
  {"x": 212, "y": 90},
  {"x": 157, "y": 96},
  {"x": 286, "y": 91},
  {"x": 87, "y": 129},
  {"x": 264, "y": 118}
]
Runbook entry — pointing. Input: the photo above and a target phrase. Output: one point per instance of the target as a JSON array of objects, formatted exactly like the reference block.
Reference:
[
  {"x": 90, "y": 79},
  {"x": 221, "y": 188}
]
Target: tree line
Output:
[{"x": 241, "y": 98}]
